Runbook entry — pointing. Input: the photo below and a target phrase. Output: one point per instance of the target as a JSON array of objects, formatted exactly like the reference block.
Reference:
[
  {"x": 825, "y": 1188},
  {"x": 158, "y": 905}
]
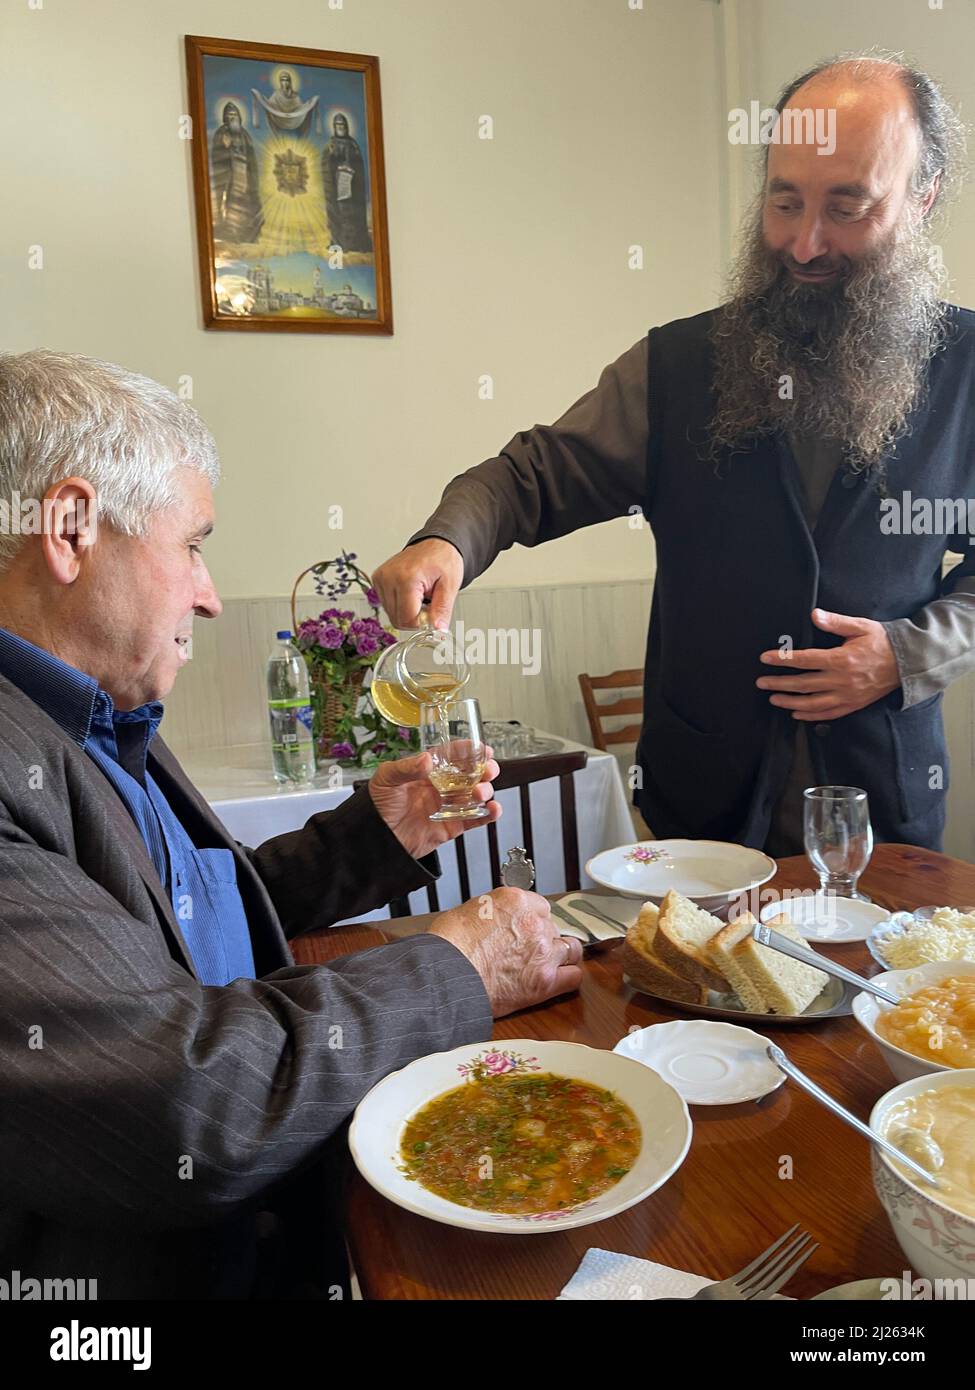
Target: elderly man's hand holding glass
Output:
[{"x": 406, "y": 799}]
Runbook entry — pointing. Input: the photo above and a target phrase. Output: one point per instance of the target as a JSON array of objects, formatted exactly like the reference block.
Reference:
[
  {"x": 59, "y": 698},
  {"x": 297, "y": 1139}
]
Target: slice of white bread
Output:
[
  {"x": 721, "y": 949},
  {"x": 647, "y": 923},
  {"x": 683, "y": 932},
  {"x": 765, "y": 980},
  {"x": 646, "y": 970}
]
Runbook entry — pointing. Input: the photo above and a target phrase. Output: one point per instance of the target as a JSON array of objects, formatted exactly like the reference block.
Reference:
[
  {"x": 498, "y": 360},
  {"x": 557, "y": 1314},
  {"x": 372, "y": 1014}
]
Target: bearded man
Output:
[
  {"x": 237, "y": 215},
  {"x": 765, "y": 441},
  {"x": 344, "y": 180}
]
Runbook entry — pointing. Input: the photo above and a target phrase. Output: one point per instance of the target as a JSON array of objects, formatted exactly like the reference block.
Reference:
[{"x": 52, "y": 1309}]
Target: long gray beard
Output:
[{"x": 856, "y": 353}]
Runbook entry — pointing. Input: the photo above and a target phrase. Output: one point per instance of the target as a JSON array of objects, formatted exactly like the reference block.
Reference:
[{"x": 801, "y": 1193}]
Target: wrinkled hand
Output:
[
  {"x": 431, "y": 569},
  {"x": 404, "y": 797},
  {"x": 828, "y": 682},
  {"x": 509, "y": 938}
]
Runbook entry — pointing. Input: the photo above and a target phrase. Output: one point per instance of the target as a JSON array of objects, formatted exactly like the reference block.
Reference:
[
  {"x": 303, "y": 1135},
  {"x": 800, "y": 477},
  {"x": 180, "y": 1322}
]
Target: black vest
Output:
[{"x": 738, "y": 569}]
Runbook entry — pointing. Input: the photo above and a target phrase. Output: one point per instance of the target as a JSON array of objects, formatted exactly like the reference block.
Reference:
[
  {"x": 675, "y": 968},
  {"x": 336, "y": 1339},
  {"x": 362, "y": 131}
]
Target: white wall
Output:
[{"x": 508, "y": 257}]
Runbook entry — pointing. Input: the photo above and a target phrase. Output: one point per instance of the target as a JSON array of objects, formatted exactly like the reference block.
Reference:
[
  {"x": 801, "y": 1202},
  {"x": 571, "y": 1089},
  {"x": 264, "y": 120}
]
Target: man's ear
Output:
[
  {"x": 931, "y": 195},
  {"x": 69, "y": 526}
]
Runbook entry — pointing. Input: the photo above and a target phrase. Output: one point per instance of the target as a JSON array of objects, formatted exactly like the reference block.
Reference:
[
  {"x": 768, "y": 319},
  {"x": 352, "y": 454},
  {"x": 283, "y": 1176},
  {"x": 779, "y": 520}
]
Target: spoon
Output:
[
  {"x": 921, "y": 1147},
  {"x": 518, "y": 871},
  {"x": 777, "y": 1056}
]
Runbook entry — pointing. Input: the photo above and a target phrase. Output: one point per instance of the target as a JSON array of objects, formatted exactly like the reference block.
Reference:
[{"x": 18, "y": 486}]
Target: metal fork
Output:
[{"x": 767, "y": 1272}]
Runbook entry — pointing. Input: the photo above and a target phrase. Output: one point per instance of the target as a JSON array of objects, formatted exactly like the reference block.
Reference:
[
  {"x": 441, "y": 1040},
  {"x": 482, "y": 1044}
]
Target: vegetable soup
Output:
[{"x": 521, "y": 1144}]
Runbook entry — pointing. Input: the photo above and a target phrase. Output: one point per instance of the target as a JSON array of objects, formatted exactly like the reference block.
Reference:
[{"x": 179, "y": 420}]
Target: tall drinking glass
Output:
[
  {"x": 838, "y": 837},
  {"x": 453, "y": 733}
]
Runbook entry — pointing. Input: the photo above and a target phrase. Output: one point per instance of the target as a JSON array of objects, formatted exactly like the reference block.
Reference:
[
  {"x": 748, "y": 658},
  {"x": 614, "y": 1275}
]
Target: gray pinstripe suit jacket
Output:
[{"x": 146, "y": 1120}]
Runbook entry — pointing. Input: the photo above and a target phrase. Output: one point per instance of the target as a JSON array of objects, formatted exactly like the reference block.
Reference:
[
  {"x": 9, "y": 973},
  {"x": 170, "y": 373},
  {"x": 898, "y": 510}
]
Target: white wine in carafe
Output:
[
  {"x": 424, "y": 668},
  {"x": 402, "y": 706}
]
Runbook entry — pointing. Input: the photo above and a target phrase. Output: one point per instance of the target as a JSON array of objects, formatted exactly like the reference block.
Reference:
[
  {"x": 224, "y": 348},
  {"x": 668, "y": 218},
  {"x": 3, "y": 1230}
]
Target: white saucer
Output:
[
  {"x": 830, "y": 919},
  {"x": 706, "y": 1063}
]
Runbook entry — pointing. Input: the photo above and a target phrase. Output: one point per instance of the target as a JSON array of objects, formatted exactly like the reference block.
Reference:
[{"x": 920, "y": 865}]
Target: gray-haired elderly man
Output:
[{"x": 169, "y": 1082}]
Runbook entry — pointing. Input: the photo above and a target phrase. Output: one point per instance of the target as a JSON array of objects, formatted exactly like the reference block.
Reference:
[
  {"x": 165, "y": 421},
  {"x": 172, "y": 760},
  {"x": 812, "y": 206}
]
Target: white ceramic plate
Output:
[
  {"x": 708, "y": 1063},
  {"x": 711, "y": 872},
  {"x": 896, "y": 926},
  {"x": 819, "y": 917},
  {"x": 382, "y": 1115}
]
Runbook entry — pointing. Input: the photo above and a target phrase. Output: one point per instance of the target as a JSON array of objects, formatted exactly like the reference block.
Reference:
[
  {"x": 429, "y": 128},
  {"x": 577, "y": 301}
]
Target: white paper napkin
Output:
[
  {"x": 604, "y": 1274},
  {"x": 624, "y": 910}
]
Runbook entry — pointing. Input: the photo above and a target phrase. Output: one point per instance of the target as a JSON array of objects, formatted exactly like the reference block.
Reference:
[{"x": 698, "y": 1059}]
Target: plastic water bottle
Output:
[{"x": 289, "y": 707}]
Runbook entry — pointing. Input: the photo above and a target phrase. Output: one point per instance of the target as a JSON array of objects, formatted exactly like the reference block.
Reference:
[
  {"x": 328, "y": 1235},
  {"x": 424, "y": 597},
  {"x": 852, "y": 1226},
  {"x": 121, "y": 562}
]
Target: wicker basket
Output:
[{"x": 330, "y": 699}]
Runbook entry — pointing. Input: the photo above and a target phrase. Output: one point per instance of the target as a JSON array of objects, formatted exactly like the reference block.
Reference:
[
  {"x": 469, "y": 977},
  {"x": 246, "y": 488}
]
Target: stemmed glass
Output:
[
  {"x": 838, "y": 837},
  {"x": 454, "y": 734}
]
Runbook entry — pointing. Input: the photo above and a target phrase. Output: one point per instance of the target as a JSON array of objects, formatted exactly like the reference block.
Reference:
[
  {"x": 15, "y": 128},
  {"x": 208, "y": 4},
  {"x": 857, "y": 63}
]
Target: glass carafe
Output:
[{"x": 425, "y": 667}]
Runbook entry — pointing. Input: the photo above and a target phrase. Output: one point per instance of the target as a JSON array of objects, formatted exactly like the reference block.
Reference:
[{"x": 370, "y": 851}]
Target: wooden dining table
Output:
[{"x": 753, "y": 1169}]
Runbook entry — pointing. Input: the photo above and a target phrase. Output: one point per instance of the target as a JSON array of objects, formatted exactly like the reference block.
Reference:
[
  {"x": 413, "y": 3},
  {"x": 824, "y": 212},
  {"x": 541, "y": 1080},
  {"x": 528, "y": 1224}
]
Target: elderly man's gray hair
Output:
[{"x": 62, "y": 415}]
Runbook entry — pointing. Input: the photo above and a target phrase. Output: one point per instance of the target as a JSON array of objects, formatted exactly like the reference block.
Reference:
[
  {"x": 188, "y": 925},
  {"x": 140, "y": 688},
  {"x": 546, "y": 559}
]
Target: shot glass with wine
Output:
[{"x": 453, "y": 733}]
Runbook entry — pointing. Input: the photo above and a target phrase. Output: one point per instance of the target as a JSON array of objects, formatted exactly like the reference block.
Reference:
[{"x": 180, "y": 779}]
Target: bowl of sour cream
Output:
[{"x": 935, "y": 1227}]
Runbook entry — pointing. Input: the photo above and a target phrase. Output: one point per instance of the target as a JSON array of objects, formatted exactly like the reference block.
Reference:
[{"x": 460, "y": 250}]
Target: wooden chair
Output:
[
  {"x": 521, "y": 773},
  {"x": 632, "y": 704}
]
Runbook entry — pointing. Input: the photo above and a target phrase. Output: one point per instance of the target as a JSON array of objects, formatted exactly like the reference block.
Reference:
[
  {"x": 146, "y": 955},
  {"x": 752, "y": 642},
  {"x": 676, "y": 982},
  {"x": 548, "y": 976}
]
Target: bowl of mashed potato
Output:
[
  {"x": 932, "y": 1028},
  {"x": 935, "y": 1227}
]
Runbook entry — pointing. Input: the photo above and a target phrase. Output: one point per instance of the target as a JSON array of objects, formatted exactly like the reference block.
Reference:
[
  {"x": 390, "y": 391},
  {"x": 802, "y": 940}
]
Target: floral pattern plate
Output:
[
  {"x": 713, "y": 873},
  {"x": 383, "y": 1114}
]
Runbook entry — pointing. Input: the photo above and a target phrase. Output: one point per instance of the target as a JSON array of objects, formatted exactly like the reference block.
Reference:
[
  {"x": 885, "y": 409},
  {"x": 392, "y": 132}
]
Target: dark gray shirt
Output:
[{"x": 590, "y": 466}]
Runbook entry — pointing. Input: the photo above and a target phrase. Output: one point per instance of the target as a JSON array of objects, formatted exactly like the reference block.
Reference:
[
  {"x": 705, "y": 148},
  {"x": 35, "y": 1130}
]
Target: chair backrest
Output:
[
  {"x": 630, "y": 704},
  {"x": 521, "y": 773}
]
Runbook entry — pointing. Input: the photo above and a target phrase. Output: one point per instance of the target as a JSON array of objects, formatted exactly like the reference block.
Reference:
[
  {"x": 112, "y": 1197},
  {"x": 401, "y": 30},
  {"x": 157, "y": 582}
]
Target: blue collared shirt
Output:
[{"x": 201, "y": 883}]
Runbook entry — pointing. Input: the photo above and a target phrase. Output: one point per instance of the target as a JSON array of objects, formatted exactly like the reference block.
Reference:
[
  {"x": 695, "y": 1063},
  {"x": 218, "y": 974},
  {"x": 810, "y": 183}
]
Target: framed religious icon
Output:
[{"x": 289, "y": 187}]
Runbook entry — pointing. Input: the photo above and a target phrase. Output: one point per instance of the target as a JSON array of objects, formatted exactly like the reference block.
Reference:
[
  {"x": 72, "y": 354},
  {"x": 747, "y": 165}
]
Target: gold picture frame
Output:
[{"x": 289, "y": 186}]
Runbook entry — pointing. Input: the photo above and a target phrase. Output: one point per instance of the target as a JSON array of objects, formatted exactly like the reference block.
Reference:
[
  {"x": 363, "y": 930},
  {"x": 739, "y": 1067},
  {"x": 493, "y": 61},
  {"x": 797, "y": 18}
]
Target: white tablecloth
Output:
[{"x": 237, "y": 783}]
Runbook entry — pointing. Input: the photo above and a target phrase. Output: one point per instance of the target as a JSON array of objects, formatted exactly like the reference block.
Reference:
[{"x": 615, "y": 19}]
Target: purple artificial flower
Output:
[
  {"x": 379, "y": 747},
  {"x": 372, "y": 597},
  {"x": 366, "y": 645},
  {"x": 388, "y": 640},
  {"x": 404, "y": 734},
  {"x": 341, "y": 750},
  {"x": 358, "y": 625},
  {"x": 330, "y": 637}
]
